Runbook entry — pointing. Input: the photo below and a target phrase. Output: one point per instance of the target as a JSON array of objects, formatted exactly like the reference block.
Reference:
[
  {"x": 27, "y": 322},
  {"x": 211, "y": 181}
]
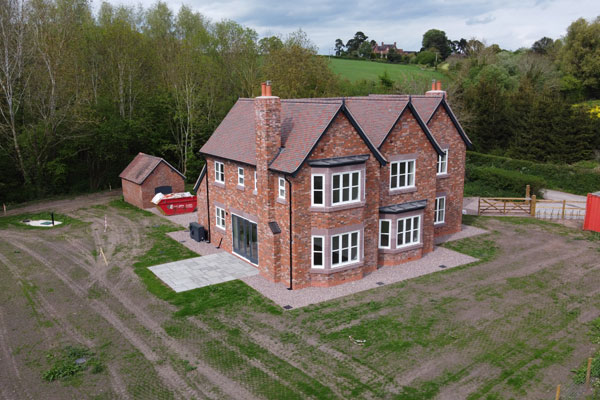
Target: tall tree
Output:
[
  {"x": 437, "y": 39},
  {"x": 580, "y": 55}
]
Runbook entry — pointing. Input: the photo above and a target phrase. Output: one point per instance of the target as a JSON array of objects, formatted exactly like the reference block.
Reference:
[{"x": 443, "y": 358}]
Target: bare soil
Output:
[{"x": 511, "y": 327}]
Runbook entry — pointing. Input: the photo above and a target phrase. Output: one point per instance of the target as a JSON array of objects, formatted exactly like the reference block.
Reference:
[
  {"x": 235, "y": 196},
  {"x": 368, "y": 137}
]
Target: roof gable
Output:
[
  {"x": 427, "y": 106},
  {"x": 142, "y": 166}
]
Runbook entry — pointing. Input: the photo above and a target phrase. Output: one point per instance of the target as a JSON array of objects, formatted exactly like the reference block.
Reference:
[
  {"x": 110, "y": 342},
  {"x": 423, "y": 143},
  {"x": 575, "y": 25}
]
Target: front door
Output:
[{"x": 245, "y": 238}]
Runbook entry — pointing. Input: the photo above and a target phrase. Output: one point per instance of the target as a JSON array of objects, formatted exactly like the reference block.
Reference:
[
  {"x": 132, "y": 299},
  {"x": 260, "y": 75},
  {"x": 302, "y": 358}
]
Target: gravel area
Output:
[
  {"x": 201, "y": 248},
  {"x": 179, "y": 219},
  {"x": 466, "y": 231},
  {"x": 386, "y": 275}
]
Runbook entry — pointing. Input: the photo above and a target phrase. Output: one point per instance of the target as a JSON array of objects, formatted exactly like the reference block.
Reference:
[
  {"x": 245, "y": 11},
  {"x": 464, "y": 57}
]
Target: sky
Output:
[{"x": 508, "y": 23}]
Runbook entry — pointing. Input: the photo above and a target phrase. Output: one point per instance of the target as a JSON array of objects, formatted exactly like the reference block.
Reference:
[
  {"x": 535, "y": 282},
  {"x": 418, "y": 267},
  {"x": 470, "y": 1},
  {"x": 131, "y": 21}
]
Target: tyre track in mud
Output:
[
  {"x": 169, "y": 376},
  {"x": 225, "y": 384},
  {"x": 9, "y": 365},
  {"x": 66, "y": 327}
]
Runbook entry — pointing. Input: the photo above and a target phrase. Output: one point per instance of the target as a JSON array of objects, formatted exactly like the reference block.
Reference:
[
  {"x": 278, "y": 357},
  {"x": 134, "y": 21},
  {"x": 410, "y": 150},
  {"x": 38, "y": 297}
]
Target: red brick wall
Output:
[
  {"x": 340, "y": 140},
  {"x": 446, "y": 134},
  {"x": 408, "y": 138},
  {"x": 141, "y": 195}
]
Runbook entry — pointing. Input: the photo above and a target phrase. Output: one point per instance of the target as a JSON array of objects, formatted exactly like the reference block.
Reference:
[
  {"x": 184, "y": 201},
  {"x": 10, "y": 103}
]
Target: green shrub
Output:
[
  {"x": 563, "y": 177},
  {"x": 64, "y": 365},
  {"x": 496, "y": 182}
]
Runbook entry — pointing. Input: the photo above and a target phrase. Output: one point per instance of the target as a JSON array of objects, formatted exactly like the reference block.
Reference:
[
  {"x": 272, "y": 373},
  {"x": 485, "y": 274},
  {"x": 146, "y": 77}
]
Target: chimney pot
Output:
[
  {"x": 439, "y": 85},
  {"x": 433, "y": 86},
  {"x": 268, "y": 89},
  {"x": 263, "y": 89},
  {"x": 382, "y": 43}
]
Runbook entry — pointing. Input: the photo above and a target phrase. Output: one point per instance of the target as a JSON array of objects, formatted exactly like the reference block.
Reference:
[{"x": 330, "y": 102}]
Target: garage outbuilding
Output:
[{"x": 147, "y": 175}]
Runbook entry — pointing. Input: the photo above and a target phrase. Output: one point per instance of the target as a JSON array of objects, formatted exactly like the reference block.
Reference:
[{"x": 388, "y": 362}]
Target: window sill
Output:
[
  {"x": 224, "y": 230},
  {"x": 218, "y": 184},
  {"x": 255, "y": 192},
  {"x": 281, "y": 201},
  {"x": 240, "y": 187},
  {"x": 439, "y": 224},
  {"x": 328, "y": 271},
  {"x": 403, "y": 190},
  {"x": 442, "y": 176},
  {"x": 401, "y": 249}
]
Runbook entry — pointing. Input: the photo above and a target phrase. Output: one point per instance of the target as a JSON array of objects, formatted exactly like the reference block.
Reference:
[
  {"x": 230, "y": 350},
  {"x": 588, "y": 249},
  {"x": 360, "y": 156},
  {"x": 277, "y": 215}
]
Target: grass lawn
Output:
[{"x": 355, "y": 70}]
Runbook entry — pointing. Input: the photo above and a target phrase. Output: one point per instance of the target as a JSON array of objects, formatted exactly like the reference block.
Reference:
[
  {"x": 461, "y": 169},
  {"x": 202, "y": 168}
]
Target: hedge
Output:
[
  {"x": 563, "y": 177},
  {"x": 496, "y": 182}
]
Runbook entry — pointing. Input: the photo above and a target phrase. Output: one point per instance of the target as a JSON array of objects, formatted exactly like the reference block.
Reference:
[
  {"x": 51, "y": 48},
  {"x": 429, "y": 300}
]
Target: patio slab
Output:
[{"x": 197, "y": 272}]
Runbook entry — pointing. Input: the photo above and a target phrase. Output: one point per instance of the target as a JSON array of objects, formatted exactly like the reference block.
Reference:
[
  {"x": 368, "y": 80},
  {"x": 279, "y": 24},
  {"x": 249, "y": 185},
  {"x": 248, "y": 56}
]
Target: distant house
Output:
[
  {"x": 383, "y": 49},
  {"x": 147, "y": 175},
  {"x": 317, "y": 192}
]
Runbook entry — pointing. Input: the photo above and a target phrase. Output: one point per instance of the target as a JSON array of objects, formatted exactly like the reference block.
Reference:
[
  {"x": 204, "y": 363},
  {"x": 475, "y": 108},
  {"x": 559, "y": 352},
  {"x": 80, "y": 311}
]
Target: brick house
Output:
[
  {"x": 316, "y": 192},
  {"x": 147, "y": 175},
  {"x": 383, "y": 49}
]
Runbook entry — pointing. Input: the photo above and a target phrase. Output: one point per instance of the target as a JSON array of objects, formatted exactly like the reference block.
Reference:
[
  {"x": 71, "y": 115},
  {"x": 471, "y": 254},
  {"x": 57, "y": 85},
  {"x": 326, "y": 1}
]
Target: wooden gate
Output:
[{"x": 505, "y": 205}]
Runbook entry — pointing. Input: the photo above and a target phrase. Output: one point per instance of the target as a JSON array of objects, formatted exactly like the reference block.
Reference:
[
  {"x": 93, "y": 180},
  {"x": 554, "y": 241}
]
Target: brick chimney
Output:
[
  {"x": 436, "y": 89},
  {"x": 267, "y": 120},
  {"x": 267, "y": 117}
]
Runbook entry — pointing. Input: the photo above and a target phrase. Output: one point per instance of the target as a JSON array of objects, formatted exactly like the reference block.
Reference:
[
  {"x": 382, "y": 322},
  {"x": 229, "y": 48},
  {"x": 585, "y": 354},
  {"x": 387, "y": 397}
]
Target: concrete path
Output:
[
  {"x": 560, "y": 196},
  {"x": 197, "y": 272}
]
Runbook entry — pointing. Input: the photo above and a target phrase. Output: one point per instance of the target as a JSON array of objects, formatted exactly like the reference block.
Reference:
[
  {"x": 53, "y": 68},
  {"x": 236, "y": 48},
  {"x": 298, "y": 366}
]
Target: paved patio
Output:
[{"x": 197, "y": 272}]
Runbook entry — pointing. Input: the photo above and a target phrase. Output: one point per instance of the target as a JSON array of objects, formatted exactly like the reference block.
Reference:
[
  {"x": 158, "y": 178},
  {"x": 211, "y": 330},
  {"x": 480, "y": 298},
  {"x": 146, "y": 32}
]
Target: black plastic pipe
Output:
[{"x": 290, "y": 227}]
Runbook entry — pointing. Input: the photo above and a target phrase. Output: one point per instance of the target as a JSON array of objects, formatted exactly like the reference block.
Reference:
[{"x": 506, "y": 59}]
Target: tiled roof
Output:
[
  {"x": 403, "y": 207},
  {"x": 142, "y": 166},
  {"x": 303, "y": 121}
]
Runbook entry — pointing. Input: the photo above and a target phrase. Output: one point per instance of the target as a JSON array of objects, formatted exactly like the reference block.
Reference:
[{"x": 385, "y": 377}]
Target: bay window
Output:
[
  {"x": 344, "y": 249},
  {"x": 345, "y": 187},
  {"x": 409, "y": 231},
  {"x": 384, "y": 233},
  {"x": 318, "y": 243}
]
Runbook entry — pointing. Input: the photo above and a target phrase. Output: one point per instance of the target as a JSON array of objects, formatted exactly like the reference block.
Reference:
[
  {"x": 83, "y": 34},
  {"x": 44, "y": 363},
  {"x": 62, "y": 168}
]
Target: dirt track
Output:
[{"x": 472, "y": 332}]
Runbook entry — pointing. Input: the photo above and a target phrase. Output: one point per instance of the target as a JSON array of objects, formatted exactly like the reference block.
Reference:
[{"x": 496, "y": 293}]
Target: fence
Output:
[{"x": 530, "y": 205}]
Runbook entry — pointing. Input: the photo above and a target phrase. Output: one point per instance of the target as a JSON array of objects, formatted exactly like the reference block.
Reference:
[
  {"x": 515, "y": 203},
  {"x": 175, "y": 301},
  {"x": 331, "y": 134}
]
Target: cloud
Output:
[
  {"x": 509, "y": 23},
  {"x": 478, "y": 21}
]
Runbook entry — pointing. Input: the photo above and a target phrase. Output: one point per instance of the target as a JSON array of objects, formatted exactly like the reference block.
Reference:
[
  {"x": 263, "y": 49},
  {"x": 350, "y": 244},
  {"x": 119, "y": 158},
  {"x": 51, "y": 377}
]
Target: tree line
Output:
[{"x": 81, "y": 92}]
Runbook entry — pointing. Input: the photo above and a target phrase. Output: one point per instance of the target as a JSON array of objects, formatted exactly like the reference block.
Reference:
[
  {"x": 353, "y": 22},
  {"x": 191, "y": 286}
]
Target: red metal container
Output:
[
  {"x": 592, "y": 213},
  {"x": 175, "y": 203}
]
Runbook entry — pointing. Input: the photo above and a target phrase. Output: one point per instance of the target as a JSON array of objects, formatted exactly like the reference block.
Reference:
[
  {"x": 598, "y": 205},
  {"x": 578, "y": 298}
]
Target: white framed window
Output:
[
  {"x": 402, "y": 174},
  {"x": 318, "y": 190},
  {"x": 220, "y": 215},
  {"x": 385, "y": 232},
  {"x": 345, "y": 187},
  {"x": 255, "y": 187},
  {"x": 318, "y": 259},
  {"x": 219, "y": 172},
  {"x": 281, "y": 191},
  {"x": 345, "y": 249},
  {"x": 409, "y": 231},
  {"x": 440, "y": 210},
  {"x": 240, "y": 176},
  {"x": 442, "y": 163}
]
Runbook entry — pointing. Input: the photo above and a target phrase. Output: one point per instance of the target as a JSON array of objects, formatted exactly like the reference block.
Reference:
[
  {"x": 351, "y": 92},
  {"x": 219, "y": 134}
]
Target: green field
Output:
[{"x": 355, "y": 70}]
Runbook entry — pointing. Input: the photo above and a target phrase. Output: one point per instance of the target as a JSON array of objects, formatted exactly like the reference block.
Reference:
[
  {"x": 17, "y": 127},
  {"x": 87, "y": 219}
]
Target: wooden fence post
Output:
[
  {"x": 527, "y": 191},
  {"x": 588, "y": 373},
  {"x": 558, "y": 392},
  {"x": 532, "y": 207},
  {"x": 478, "y": 205},
  {"x": 563, "y": 208}
]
